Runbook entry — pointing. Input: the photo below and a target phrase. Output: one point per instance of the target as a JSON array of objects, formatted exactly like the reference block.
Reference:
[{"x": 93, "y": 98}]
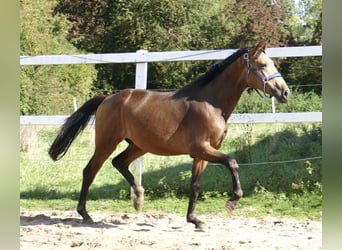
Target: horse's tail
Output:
[{"x": 73, "y": 126}]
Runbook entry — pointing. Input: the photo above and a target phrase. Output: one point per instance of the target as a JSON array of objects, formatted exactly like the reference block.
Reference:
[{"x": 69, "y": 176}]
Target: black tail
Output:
[{"x": 73, "y": 126}]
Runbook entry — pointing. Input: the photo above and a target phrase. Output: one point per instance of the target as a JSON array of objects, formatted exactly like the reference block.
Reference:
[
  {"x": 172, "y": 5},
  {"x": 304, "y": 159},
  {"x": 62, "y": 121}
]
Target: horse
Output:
[{"x": 191, "y": 120}]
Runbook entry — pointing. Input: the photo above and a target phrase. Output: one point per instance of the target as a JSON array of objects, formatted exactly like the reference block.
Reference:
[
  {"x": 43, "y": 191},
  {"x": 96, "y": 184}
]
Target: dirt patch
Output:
[{"x": 65, "y": 230}]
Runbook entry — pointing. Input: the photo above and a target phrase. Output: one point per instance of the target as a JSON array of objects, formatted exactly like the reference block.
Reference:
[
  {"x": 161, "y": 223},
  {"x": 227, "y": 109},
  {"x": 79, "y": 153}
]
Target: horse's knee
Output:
[
  {"x": 238, "y": 193},
  {"x": 232, "y": 164}
]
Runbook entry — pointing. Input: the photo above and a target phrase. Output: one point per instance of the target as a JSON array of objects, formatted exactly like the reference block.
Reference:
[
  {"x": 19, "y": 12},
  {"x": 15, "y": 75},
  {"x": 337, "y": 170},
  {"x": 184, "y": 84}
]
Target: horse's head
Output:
[{"x": 263, "y": 75}]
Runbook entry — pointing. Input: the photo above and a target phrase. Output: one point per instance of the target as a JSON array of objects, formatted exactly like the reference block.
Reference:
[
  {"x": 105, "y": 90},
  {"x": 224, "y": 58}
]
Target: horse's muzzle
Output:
[
  {"x": 282, "y": 95},
  {"x": 285, "y": 95}
]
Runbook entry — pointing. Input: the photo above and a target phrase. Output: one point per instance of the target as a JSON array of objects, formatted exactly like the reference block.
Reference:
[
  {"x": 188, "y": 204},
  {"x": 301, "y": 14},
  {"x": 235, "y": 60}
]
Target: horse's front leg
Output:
[
  {"x": 197, "y": 170},
  {"x": 211, "y": 154},
  {"x": 237, "y": 190}
]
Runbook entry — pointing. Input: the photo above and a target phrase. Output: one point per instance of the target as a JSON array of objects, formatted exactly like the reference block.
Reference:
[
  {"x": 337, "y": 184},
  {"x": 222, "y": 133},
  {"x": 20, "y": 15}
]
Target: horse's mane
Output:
[
  {"x": 213, "y": 71},
  {"x": 218, "y": 68}
]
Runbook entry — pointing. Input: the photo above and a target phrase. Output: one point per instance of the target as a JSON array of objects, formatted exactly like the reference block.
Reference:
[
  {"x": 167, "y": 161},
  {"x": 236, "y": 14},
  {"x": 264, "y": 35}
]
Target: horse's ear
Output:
[{"x": 261, "y": 47}]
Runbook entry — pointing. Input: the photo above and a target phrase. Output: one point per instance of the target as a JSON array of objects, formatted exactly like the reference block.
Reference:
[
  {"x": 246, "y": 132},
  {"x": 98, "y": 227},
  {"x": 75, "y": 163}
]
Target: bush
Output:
[{"x": 251, "y": 102}]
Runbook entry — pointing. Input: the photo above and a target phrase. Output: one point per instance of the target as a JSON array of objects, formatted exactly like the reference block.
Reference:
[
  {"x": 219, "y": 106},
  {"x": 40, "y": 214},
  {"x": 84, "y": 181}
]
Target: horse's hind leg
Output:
[
  {"x": 121, "y": 163},
  {"x": 197, "y": 171},
  {"x": 89, "y": 172}
]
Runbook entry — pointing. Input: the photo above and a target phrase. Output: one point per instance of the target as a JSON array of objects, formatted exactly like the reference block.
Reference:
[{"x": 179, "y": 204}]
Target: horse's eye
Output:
[{"x": 262, "y": 65}]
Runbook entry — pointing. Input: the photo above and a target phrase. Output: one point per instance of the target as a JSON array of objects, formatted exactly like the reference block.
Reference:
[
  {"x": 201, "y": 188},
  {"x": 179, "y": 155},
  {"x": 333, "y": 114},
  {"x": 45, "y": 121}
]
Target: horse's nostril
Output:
[{"x": 285, "y": 93}]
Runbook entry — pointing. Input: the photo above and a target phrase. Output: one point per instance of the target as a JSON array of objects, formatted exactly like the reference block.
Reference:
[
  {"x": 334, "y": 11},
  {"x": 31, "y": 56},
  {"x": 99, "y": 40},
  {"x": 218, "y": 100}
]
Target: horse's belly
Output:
[{"x": 159, "y": 145}]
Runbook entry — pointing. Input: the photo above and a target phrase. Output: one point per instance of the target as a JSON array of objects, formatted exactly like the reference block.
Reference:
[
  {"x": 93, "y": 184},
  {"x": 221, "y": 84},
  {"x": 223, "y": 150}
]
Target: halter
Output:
[{"x": 265, "y": 79}]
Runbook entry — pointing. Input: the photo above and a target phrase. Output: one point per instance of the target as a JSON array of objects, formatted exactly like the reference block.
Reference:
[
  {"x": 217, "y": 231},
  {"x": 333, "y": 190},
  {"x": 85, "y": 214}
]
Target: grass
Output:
[
  {"x": 289, "y": 189},
  {"x": 254, "y": 206}
]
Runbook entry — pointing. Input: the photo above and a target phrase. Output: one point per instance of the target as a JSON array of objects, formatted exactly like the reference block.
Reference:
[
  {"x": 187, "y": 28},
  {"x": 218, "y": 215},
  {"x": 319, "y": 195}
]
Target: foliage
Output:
[
  {"x": 305, "y": 73},
  {"x": 102, "y": 26},
  {"x": 49, "y": 89},
  {"x": 251, "y": 102},
  {"x": 122, "y": 26},
  {"x": 258, "y": 20},
  {"x": 304, "y": 23}
]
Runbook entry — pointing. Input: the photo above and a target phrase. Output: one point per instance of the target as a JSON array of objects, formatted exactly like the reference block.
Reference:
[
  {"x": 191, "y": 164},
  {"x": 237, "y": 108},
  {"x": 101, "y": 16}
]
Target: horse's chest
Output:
[
  {"x": 215, "y": 129},
  {"x": 218, "y": 137}
]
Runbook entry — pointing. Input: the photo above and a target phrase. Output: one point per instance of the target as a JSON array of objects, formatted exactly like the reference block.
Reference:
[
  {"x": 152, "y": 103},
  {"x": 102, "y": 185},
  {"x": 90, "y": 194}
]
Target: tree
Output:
[
  {"x": 304, "y": 25},
  {"x": 258, "y": 20},
  {"x": 102, "y": 26},
  {"x": 304, "y": 22},
  {"x": 49, "y": 89}
]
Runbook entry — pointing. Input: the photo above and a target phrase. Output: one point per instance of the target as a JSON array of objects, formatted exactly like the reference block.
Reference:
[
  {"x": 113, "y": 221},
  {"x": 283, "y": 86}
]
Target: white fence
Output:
[
  {"x": 142, "y": 57},
  {"x": 234, "y": 118}
]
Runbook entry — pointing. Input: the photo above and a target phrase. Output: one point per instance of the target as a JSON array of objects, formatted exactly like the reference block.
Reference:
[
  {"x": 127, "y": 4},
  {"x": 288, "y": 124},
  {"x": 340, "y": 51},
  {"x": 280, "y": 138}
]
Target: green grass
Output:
[
  {"x": 306, "y": 207},
  {"x": 288, "y": 189}
]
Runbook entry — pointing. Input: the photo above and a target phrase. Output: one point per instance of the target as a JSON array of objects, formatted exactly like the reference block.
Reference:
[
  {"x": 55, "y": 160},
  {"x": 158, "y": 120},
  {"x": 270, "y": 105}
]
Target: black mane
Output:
[
  {"x": 211, "y": 74},
  {"x": 218, "y": 68}
]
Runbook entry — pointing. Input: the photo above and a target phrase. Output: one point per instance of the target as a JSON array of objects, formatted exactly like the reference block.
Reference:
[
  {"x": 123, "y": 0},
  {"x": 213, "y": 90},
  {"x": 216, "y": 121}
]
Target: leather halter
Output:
[{"x": 264, "y": 79}]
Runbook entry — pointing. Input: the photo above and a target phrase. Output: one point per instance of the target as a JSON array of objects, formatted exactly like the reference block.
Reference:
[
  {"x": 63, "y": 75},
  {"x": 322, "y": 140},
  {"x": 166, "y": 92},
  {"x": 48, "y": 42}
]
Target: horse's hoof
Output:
[
  {"x": 139, "y": 199},
  {"x": 88, "y": 221},
  {"x": 201, "y": 226},
  {"x": 138, "y": 204},
  {"x": 230, "y": 206}
]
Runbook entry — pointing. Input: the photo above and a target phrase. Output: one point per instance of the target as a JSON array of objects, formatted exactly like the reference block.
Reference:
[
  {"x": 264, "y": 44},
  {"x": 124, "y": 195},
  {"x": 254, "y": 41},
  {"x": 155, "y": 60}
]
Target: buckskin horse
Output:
[{"x": 191, "y": 120}]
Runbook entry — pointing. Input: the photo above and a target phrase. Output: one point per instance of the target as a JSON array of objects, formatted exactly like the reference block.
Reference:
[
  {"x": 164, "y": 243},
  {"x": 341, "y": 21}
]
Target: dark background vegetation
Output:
[{"x": 109, "y": 26}]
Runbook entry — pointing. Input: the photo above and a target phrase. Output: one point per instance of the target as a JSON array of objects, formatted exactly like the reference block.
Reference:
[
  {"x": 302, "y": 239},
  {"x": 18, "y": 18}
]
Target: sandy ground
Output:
[{"x": 65, "y": 230}]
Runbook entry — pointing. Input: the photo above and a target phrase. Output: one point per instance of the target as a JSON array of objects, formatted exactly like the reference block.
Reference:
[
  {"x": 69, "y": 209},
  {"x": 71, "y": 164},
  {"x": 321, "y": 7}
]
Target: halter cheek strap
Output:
[{"x": 265, "y": 79}]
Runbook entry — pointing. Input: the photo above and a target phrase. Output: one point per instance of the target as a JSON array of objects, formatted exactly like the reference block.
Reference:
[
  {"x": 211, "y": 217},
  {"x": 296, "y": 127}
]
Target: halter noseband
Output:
[{"x": 265, "y": 79}]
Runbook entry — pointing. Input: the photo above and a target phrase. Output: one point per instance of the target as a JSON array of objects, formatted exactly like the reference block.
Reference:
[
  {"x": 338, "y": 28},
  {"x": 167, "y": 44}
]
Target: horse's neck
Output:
[{"x": 225, "y": 91}]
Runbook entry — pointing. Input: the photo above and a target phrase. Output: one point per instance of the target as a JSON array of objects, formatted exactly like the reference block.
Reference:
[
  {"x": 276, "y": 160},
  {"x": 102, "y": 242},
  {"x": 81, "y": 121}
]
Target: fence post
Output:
[
  {"x": 140, "y": 83},
  {"x": 273, "y": 105},
  {"x": 75, "y": 103}
]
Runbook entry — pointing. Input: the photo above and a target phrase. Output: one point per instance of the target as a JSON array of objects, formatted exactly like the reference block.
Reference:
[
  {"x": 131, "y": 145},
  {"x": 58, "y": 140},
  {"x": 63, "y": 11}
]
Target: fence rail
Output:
[
  {"x": 234, "y": 118},
  {"x": 142, "y": 56}
]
